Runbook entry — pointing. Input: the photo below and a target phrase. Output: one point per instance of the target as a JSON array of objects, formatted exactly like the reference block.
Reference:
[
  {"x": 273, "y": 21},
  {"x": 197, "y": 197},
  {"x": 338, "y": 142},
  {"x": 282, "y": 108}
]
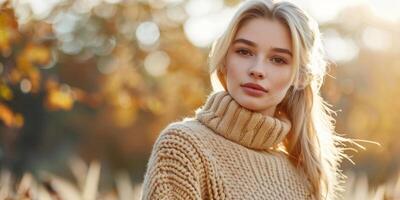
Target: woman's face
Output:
[{"x": 260, "y": 53}]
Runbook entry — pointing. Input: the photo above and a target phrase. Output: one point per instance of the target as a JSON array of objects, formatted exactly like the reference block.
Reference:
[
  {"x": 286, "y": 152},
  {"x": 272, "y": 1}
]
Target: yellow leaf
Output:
[
  {"x": 58, "y": 99},
  {"x": 5, "y": 92},
  {"x": 9, "y": 118},
  {"x": 6, "y": 115},
  {"x": 15, "y": 76},
  {"x": 38, "y": 54},
  {"x": 18, "y": 120},
  {"x": 35, "y": 78},
  {"x": 31, "y": 55},
  {"x": 8, "y": 31}
]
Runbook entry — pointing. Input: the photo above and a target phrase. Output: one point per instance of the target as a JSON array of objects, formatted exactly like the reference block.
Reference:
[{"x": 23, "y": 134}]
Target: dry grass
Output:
[
  {"x": 86, "y": 180},
  {"x": 52, "y": 187},
  {"x": 358, "y": 188}
]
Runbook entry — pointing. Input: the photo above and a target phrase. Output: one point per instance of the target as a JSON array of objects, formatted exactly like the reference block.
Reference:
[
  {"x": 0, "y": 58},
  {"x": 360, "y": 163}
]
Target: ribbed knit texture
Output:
[
  {"x": 234, "y": 122},
  {"x": 224, "y": 152}
]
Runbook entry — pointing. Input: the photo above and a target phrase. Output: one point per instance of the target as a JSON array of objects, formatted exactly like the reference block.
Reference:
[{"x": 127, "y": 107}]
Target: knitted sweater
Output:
[{"x": 224, "y": 152}]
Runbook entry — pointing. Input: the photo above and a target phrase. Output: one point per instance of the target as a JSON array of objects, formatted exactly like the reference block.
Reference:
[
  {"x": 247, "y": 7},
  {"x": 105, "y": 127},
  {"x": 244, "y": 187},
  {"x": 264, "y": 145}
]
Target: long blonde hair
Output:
[{"x": 311, "y": 117}]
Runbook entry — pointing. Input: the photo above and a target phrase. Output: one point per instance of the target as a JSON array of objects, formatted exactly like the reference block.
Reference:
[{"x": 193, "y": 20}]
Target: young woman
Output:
[{"x": 268, "y": 134}]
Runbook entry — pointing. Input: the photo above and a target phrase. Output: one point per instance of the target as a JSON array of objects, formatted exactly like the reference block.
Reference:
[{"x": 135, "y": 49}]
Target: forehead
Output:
[{"x": 266, "y": 33}]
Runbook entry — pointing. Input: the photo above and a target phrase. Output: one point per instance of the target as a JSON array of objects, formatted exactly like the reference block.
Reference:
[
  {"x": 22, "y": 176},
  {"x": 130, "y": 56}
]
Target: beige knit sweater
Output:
[{"x": 224, "y": 152}]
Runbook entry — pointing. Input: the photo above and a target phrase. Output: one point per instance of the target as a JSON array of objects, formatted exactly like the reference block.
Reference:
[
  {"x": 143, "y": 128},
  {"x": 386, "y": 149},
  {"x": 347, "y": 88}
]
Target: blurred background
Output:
[{"x": 88, "y": 85}]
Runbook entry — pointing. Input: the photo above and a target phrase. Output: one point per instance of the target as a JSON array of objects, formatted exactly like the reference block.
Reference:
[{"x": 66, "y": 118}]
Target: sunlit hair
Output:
[{"x": 312, "y": 144}]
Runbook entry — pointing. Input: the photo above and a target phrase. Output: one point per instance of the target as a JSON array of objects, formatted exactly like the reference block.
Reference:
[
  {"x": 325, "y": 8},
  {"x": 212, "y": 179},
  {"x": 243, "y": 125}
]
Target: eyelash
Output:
[
  {"x": 240, "y": 51},
  {"x": 282, "y": 61}
]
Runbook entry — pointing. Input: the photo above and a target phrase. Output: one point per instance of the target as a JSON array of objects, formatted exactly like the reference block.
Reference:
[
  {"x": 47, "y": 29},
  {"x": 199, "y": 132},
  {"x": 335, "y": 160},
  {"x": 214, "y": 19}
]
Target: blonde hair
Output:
[{"x": 311, "y": 117}]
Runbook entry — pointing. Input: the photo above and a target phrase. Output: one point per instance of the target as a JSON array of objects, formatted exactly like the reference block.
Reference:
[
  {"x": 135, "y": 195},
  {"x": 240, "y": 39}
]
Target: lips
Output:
[{"x": 254, "y": 86}]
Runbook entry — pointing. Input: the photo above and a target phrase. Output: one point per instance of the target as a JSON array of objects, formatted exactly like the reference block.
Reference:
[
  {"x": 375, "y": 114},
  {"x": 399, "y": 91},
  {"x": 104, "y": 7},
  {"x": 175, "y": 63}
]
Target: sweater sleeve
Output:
[{"x": 172, "y": 170}]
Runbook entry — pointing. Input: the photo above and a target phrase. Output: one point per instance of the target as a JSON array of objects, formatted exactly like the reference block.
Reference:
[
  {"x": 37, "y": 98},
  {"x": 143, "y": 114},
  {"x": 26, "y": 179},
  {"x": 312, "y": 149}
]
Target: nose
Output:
[
  {"x": 256, "y": 71},
  {"x": 256, "y": 74}
]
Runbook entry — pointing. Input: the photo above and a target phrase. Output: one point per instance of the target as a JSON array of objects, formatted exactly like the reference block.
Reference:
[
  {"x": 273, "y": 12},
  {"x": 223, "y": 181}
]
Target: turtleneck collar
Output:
[{"x": 226, "y": 117}]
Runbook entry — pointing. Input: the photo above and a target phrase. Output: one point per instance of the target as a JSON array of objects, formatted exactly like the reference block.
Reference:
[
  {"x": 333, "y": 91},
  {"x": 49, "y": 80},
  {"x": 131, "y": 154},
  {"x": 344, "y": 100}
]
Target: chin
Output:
[
  {"x": 252, "y": 107},
  {"x": 249, "y": 102}
]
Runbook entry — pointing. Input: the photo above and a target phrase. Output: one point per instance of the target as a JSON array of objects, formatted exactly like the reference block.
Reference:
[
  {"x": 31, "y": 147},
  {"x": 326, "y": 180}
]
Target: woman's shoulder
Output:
[
  {"x": 175, "y": 164},
  {"x": 188, "y": 127},
  {"x": 181, "y": 134}
]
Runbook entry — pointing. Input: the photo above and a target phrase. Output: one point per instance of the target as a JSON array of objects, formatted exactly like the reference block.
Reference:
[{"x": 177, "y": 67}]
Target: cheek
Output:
[
  {"x": 232, "y": 61},
  {"x": 237, "y": 62},
  {"x": 233, "y": 74},
  {"x": 235, "y": 68},
  {"x": 282, "y": 80}
]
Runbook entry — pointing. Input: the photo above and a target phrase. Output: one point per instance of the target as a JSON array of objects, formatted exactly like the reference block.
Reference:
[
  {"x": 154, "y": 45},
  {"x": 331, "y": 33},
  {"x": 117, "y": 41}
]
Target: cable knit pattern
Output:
[{"x": 223, "y": 152}]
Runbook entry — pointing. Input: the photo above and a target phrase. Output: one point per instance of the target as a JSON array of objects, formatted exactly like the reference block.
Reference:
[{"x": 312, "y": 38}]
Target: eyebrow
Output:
[{"x": 253, "y": 44}]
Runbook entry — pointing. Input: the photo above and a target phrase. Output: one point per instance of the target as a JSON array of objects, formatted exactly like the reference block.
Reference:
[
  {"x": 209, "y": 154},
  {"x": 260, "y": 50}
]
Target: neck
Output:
[
  {"x": 252, "y": 129},
  {"x": 269, "y": 111}
]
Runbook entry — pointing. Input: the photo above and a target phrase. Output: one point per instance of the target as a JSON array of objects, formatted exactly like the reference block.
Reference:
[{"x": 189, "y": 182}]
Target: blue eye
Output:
[{"x": 244, "y": 52}]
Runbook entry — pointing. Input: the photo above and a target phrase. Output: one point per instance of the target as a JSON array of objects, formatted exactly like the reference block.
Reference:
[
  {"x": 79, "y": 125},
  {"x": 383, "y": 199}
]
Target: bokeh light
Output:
[
  {"x": 156, "y": 63},
  {"x": 376, "y": 39},
  {"x": 338, "y": 48},
  {"x": 148, "y": 33},
  {"x": 25, "y": 85}
]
